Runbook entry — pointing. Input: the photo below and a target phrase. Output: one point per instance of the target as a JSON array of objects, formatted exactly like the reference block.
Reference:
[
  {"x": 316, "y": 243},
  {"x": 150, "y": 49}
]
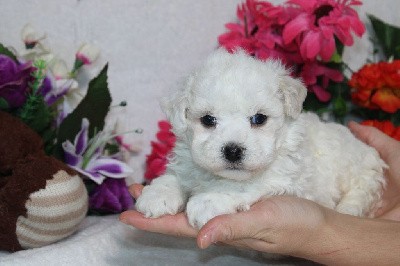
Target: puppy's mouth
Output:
[
  {"x": 235, "y": 167},
  {"x": 235, "y": 172}
]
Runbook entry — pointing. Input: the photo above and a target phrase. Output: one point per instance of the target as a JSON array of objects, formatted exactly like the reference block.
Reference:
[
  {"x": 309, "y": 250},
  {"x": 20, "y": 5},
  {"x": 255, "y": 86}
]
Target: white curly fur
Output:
[{"x": 293, "y": 153}]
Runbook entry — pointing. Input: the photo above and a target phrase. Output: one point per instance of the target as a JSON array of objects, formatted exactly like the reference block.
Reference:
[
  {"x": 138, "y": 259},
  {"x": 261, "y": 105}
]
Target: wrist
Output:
[
  {"x": 319, "y": 241},
  {"x": 344, "y": 239}
]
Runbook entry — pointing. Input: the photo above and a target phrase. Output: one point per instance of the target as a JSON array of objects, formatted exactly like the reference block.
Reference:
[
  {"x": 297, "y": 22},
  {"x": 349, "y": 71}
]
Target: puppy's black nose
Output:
[{"x": 233, "y": 152}]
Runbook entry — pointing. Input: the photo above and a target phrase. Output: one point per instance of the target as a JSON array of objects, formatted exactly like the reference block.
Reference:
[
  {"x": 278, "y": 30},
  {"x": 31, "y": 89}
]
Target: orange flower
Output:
[
  {"x": 385, "y": 126},
  {"x": 377, "y": 86}
]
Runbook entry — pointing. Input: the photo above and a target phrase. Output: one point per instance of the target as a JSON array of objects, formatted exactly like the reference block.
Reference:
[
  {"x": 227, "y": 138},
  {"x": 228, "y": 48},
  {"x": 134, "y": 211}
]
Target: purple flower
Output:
[
  {"x": 14, "y": 81},
  {"x": 46, "y": 88},
  {"x": 86, "y": 156},
  {"x": 61, "y": 88},
  {"x": 111, "y": 196}
]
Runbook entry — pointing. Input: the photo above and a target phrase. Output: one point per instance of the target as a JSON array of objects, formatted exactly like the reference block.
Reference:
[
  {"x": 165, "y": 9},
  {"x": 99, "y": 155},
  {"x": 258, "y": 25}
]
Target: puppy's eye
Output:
[
  {"x": 208, "y": 121},
  {"x": 258, "y": 119}
]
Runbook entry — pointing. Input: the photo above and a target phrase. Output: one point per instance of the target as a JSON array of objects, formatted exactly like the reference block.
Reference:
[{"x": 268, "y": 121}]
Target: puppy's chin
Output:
[{"x": 235, "y": 174}]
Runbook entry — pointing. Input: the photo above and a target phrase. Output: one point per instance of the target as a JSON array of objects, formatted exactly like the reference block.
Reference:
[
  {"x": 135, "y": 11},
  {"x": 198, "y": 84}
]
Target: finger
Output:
[
  {"x": 227, "y": 228},
  {"x": 252, "y": 244},
  {"x": 393, "y": 214},
  {"x": 176, "y": 225},
  {"x": 136, "y": 190}
]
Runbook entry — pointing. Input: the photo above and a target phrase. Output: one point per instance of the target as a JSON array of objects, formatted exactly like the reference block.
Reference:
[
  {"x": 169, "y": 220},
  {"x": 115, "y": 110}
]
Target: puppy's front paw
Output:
[
  {"x": 159, "y": 199},
  {"x": 351, "y": 209},
  {"x": 203, "y": 207}
]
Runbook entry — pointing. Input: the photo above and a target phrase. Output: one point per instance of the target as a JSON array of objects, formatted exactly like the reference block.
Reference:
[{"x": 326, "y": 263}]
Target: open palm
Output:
[{"x": 389, "y": 150}]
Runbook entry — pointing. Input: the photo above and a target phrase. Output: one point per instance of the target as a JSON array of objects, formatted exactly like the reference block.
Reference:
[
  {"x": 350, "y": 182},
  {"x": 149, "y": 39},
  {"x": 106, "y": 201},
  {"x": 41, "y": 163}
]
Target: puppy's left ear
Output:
[
  {"x": 176, "y": 105},
  {"x": 294, "y": 93}
]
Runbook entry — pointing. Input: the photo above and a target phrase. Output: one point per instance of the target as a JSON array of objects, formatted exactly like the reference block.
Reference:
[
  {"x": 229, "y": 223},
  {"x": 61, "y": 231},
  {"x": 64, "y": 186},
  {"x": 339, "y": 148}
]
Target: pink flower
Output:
[
  {"x": 318, "y": 22},
  {"x": 242, "y": 34},
  {"x": 314, "y": 70},
  {"x": 87, "y": 53},
  {"x": 30, "y": 36},
  {"x": 258, "y": 31},
  {"x": 157, "y": 160},
  {"x": 302, "y": 34}
]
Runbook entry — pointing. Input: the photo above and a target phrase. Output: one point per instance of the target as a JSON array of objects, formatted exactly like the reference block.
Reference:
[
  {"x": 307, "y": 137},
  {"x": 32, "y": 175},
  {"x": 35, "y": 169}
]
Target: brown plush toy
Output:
[{"x": 41, "y": 199}]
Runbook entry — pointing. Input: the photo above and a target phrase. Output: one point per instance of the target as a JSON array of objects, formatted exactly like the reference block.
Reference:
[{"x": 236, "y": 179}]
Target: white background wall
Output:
[{"x": 150, "y": 45}]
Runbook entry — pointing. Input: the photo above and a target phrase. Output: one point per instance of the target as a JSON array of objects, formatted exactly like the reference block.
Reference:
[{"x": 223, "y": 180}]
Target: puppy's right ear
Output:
[
  {"x": 294, "y": 93},
  {"x": 176, "y": 107}
]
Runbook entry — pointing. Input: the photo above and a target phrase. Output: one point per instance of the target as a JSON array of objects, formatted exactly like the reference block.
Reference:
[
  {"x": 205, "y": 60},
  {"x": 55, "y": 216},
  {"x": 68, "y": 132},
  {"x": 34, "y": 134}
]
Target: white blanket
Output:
[{"x": 106, "y": 241}]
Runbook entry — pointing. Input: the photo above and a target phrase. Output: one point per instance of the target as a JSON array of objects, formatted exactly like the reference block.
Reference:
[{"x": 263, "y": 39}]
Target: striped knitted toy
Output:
[{"x": 41, "y": 199}]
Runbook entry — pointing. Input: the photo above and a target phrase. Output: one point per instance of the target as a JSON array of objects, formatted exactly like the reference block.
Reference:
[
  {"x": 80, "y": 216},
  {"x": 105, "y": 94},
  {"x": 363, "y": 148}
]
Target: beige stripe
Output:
[
  {"x": 60, "y": 218},
  {"x": 44, "y": 225},
  {"x": 60, "y": 199},
  {"x": 57, "y": 210},
  {"x": 28, "y": 242},
  {"x": 24, "y": 229},
  {"x": 55, "y": 189}
]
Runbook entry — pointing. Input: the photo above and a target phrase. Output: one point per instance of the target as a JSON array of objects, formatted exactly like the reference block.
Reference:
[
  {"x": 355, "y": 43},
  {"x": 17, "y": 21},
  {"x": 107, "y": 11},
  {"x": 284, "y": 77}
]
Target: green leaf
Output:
[
  {"x": 312, "y": 103},
  {"x": 3, "y": 104},
  {"x": 369, "y": 114},
  {"x": 5, "y": 51},
  {"x": 339, "y": 46},
  {"x": 339, "y": 107},
  {"x": 48, "y": 137},
  {"x": 387, "y": 35},
  {"x": 336, "y": 58},
  {"x": 35, "y": 113},
  {"x": 94, "y": 106},
  {"x": 112, "y": 148},
  {"x": 396, "y": 119}
]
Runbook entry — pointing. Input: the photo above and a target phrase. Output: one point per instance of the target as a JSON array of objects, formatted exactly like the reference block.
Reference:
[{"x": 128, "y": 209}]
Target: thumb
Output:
[
  {"x": 375, "y": 138},
  {"x": 226, "y": 228}
]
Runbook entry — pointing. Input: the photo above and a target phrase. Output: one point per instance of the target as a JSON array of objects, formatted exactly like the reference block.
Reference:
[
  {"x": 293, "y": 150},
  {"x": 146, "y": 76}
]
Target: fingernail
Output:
[
  {"x": 123, "y": 220},
  {"x": 207, "y": 239}
]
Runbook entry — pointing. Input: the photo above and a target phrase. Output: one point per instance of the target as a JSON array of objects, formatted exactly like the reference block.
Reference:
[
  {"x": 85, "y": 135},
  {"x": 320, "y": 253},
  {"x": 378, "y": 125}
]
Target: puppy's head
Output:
[{"x": 232, "y": 111}]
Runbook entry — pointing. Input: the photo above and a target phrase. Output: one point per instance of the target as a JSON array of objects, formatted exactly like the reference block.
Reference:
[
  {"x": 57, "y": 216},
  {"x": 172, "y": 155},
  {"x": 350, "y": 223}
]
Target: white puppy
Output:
[{"x": 241, "y": 136}]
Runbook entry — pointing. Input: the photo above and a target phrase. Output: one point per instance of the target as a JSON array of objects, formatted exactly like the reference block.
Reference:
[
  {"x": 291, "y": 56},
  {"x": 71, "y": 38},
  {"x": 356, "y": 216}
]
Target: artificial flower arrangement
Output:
[
  {"x": 39, "y": 89},
  {"x": 156, "y": 161},
  {"x": 309, "y": 37}
]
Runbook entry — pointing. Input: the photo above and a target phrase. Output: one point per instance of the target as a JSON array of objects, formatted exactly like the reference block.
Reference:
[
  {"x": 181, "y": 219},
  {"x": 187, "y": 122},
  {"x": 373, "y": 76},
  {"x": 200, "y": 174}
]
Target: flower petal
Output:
[
  {"x": 322, "y": 95},
  {"x": 81, "y": 140},
  {"x": 386, "y": 100},
  {"x": 59, "y": 69},
  {"x": 111, "y": 196},
  {"x": 87, "y": 53},
  {"x": 304, "y": 4},
  {"x": 295, "y": 27},
  {"x": 311, "y": 45},
  {"x": 109, "y": 167},
  {"x": 94, "y": 176},
  {"x": 70, "y": 157}
]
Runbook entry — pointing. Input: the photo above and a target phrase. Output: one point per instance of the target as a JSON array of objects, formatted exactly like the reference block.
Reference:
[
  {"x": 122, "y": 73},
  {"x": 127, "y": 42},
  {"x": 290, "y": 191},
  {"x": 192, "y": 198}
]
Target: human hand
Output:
[
  {"x": 389, "y": 150},
  {"x": 176, "y": 225},
  {"x": 279, "y": 224}
]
